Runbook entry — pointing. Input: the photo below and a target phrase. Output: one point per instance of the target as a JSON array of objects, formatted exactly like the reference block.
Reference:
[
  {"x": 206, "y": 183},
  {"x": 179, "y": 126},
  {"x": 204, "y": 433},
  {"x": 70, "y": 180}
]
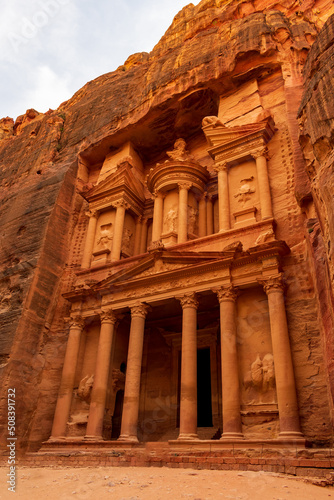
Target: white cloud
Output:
[
  {"x": 51, "y": 48},
  {"x": 49, "y": 90}
]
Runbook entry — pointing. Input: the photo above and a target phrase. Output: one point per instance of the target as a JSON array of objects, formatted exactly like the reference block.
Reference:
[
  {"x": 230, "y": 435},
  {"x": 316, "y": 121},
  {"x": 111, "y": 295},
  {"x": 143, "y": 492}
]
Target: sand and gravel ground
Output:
[{"x": 136, "y": 483}]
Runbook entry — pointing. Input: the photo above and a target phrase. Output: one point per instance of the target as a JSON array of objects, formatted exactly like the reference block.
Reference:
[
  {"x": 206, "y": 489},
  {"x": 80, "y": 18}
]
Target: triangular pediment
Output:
[
  {"x": 162, "y": 262},
  {"x": 218, "y": 135},
  {"x": 121, "y": 180}
]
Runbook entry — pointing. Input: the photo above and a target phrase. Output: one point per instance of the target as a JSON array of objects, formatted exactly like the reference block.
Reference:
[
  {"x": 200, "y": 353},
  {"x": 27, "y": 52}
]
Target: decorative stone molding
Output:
[
  {"x": 188, "y": 300},
  {"x": 273, "y": 284},
  {"x": 76, "y": 321},
  {"x": 228, "y": 292},
  {"x": 120, "y": 204},
  {"x": 140, "y": 309},
  {"x": 185, "y": 185},
  {"x": 260, "y": 152},
  {"x": 158, "y": 194},
  {"x": 221, "y": 167},
  {"x": 92, "y": 213},
  {"x": 180, "y": 152},
  {"x": 109, "y": 316}
]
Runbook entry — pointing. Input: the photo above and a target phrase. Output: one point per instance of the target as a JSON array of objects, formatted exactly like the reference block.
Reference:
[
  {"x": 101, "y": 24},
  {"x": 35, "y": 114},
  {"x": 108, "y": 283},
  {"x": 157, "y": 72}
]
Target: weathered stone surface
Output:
[
  {"x": 236, "y": 60},
  {"x": 316, "y": 116}
]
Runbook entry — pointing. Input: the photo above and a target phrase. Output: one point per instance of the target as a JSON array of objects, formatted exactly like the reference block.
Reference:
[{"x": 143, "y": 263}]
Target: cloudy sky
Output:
[{"x": 50, "y": 48}]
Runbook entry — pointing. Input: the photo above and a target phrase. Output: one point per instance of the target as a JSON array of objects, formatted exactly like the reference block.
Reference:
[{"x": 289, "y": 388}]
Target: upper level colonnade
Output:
[{"x": 186, "y": 201}]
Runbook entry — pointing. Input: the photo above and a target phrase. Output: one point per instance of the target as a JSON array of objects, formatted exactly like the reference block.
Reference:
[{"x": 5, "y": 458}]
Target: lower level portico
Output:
[{"x": 181, "y": 347}]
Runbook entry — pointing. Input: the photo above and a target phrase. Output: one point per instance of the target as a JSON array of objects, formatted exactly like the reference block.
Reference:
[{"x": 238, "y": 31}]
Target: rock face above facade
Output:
[
  {"x": 316, "y": 117},
  {"x": 240, "y": 62}
]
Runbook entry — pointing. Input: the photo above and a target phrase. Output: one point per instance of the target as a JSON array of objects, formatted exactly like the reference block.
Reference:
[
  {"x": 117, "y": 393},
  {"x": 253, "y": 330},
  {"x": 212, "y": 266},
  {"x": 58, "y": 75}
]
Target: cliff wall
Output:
[{"x": 213, "y": 48}]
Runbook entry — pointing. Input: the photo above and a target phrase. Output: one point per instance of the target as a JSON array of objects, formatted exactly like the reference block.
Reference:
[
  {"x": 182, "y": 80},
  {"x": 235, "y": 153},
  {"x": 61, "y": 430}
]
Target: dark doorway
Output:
[
  {"x": 204, "y": 405},
  {"x": 117, "y": 417}
]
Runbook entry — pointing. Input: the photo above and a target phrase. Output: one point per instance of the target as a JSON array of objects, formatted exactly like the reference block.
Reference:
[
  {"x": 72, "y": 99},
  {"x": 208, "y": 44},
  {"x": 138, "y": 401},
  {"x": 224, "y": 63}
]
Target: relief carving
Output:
[
  {"x": 105, "y": 238},
  {"x": 171, "y": 220},
  {"x": 85, "y": 388},
  {"x": 259, "y": 382},
  {"x": 192, "y": 220},
  {"x": 127, "y": 238},
  {"x": 267, "y": 236},
  {"x": 213, "y": 121},
  {"x": 180, "y": 152},
  {"x": 245, "y": 191}
]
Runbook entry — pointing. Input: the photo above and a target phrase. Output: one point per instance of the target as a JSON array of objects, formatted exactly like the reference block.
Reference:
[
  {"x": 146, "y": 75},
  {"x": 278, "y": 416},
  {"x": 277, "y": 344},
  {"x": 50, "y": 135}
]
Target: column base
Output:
[
  {"x": 52, "y": 439},
  {"x": 93, "y": 438},
  {"x": 290, "y": 435},
  {"x": 128, "y": 439},
  {"x": 187, "y": 437},
  {"x": 232, "y": 435}
]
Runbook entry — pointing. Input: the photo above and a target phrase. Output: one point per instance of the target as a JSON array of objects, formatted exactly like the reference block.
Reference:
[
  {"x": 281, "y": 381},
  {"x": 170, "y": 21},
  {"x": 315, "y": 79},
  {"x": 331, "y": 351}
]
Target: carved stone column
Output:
[
  {"x": 143, "y": 238},
  {"x": 263, "y": 183},
  {"x": 182, "y": 234},
  {"x": 136, "y": 249},
  {"x": 188, "y": 400},
  {"x": 67, "y": 379},
  {"x": 118, "y": 230},
  {"x": 133, "y": 370},
  {"x": 157, "y": 215},
  {"x": 90, "y": 238},
  {"x": 100, "y": 386},
  {"x": 227, "y": 296},
  {"x": 202, "y": 217},
  {"x": 209, "y": 215},
  {"x": 223, "y": 197},
  {"x": 285, "y": 381}
]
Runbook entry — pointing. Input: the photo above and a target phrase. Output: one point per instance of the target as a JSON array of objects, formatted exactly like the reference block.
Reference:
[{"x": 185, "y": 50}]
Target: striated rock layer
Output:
[{"x": 250, "y": 53}]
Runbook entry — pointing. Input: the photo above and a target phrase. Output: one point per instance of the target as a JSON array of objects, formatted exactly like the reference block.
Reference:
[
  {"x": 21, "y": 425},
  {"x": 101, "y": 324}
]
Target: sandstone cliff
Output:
[{"x": 209, "y": 50}]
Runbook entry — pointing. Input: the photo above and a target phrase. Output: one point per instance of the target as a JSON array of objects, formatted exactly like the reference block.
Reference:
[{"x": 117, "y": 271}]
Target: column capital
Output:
[
  {"x": 120, "y": 204},
  {"x": 273, "y": 284},
  {"x": 185, "y": 185},
  {"x": 140, "y": 309},
  {"x": 109, "y": 316},
  {"x": 188, "y": 300},
  {"x": 260, "y": 152},
  {"x": 226, "y": 293},
  {"x": 139, "y": 219},
  {"x": 92, "y": 213},
  {"x": 158, "y": 194},
  {"x": 220, "y": 167},
  {"x": 76, "y": 321}
]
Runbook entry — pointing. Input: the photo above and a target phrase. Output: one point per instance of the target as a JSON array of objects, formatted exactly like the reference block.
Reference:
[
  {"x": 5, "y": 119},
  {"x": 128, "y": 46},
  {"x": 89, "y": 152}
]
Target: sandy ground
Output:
[{"x": 136, "y": 483}]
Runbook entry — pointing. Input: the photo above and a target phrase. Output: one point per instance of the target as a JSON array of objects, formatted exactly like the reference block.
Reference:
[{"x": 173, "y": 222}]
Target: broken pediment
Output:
[
  {"x": 230, "y": 143},
  {"x": 118, "y": 182}
]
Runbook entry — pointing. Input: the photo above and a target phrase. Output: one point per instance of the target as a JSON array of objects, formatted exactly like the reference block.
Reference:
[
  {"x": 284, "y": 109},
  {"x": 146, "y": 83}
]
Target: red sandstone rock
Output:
[{"x": 236, "y": 61}]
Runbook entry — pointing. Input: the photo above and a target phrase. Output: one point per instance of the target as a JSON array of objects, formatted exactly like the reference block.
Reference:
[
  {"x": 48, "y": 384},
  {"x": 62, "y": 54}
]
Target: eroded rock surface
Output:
[{"x": 241, "y": 59}]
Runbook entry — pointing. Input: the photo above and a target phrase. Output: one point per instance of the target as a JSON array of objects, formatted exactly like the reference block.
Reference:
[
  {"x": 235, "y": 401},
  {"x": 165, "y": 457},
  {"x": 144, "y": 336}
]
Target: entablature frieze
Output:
[
  {"x": 135, "y": 206},
  {"x": 168, "y": 175}
]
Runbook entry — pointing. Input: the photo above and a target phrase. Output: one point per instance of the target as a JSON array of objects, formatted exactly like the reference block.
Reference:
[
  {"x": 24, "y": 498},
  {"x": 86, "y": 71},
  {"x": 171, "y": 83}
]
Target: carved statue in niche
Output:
[
  {"x": 126, "y": 241},
  {"x": 192, "y": 220},
  {"x": 245, "y": 191},
  {"x": 105, "y": 237},
  {"x": 85, "y": 388},
  {"x": 180, "y": 152},
  {"x": 259, "y": 382},
  {"x": 171, "y": 220}
]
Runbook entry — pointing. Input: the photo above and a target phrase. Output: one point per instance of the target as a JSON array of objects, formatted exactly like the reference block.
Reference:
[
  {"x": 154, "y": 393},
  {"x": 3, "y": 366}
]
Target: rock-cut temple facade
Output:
[{"x": 168, "y": 242}]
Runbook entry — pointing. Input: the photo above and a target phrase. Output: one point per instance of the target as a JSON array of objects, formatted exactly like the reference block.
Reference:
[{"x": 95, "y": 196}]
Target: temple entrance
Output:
[
  {"x": 204, "y": 404},
  {"x": 117, "y": 417},
  {"x": 204, "y": 400}
]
